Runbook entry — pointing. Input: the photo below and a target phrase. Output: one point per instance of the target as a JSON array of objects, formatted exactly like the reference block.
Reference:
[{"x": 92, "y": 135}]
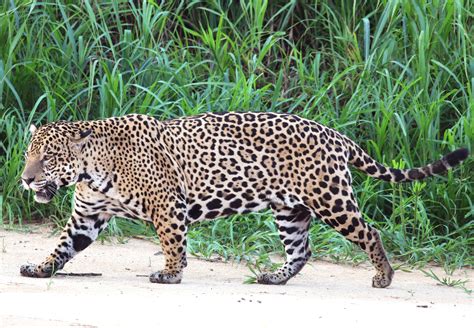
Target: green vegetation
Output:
[
  {"x": 396, "y": 76},
  {"x": 448, "y": 281}
]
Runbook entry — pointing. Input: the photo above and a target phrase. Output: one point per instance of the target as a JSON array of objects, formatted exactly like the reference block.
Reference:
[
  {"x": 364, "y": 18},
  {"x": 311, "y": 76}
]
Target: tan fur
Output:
[{"x": 173, "y": 173}]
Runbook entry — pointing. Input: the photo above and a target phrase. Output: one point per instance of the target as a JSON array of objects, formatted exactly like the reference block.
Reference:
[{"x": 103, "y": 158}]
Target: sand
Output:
[{"x": 212, "y": 294}]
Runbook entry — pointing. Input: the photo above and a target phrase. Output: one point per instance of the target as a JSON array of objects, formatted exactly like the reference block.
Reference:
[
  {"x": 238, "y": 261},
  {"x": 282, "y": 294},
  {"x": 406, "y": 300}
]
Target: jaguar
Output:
[{"x": 176, "y": 172}]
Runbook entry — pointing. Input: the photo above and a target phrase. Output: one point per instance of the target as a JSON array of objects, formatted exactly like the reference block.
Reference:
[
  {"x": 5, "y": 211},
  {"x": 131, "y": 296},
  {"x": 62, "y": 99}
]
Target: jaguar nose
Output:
[{"x": 28, "y": 180}]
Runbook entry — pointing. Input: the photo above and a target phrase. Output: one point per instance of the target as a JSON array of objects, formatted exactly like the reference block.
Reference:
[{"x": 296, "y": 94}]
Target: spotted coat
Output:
[{"x": 176, "y": 172}]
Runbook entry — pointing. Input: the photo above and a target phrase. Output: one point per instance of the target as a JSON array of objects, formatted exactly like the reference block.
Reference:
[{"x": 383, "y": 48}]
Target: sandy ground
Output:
[{"x": 212, "y": 294}]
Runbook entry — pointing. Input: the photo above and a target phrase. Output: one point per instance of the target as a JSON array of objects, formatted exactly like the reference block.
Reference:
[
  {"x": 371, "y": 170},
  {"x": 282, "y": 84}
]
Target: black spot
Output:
[
  {"x": 344, "y": 232},
  {"x": 236, "y": 203},
  {"x": 98, "y": 224},
  {"x": 195, "y": 212},
  {"x": 283, "y": 218},
  {"x": 229, "y": 196},
  {"x": 180, "y": 205},
  {"x": 212, "y": 214},
  {"x": 382, "y": 169},
  {"x": 399, "y": 176},
  {"x": 371, "y": 169},
  {"x": 355, "y": 222},
  {"x": 251, "y": 205},
  {"x": 456, "y": 156},
  {"x": 350, "y": 207},
  {"x": 385, "y": 177},
  {"x": 438, "y": 167},
  {"x": 337, "y": 209},
  {"x": 337, "y": 206},
  {"x": 248, "y": 195},
  {"x": 107, "y": 187},
  {"x": 85, "y": 133},
  {"x": 228, "y": 211},
  {"x": 297, "y": 242},
  {"x": 342, "y": 219},
  {"x": 288, "y": 230},
  {"x": 325, "y": 213},
  {"x": 214, "y": 204},
  {"x": 84, "y": 202},
  {"x": 80, "y": 242},
  {"x": 333, "y": 223},
  {"x": 415, "y": 174}
]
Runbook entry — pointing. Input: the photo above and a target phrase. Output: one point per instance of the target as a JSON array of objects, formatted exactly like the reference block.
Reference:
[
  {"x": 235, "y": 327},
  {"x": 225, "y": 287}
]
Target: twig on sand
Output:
[
  {"x": 142, "y": 275},
  {"x": 85, "y": 274}
]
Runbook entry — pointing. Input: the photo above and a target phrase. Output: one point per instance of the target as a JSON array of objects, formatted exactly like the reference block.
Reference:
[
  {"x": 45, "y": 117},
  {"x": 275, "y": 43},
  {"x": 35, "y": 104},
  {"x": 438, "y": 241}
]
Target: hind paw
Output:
[
  {"x": 382, "y": 280},
  {"x": 271, "y": 279},
  {"x": 166, "y": 277}
]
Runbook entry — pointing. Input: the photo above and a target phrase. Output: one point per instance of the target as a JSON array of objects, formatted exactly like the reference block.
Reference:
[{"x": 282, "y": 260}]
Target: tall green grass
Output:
[{"x": 397, "y": 76}]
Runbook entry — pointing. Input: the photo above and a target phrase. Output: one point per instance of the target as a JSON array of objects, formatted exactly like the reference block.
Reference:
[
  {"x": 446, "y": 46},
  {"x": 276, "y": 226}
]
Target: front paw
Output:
[
  {"x": 36, "y": 271},
  {"x": 166, "y": 277}
]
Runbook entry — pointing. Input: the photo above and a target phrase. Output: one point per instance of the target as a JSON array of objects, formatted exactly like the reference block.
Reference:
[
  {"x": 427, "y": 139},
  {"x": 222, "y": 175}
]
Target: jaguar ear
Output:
[
  {"x": 85, "y": 133},
  {"x": 32, "y": 129},
  {"x": 81, "y": 137}
]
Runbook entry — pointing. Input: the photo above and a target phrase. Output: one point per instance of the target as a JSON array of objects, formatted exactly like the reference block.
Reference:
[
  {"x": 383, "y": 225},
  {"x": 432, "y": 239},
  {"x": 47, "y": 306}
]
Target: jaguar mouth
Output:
[{"x": 45, "y": 194}]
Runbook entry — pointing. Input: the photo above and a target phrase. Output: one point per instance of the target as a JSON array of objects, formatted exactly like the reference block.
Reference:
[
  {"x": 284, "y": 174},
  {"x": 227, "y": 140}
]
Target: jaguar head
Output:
[{"x": 52, "y": 159}]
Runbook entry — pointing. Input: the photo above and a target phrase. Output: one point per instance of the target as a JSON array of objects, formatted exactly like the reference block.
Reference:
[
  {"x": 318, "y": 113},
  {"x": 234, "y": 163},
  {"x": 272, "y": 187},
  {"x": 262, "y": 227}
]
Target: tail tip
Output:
[{"x": 457, "y": 156}]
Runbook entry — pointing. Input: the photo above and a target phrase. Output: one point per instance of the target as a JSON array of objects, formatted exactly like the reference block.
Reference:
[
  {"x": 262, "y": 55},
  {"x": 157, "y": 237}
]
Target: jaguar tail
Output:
[{"x": 362, "y": 161}]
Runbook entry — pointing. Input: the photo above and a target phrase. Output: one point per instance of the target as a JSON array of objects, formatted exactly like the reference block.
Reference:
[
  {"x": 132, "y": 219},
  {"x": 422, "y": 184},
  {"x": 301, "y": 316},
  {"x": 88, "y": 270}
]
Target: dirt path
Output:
[{"x": 211, "y": 293}]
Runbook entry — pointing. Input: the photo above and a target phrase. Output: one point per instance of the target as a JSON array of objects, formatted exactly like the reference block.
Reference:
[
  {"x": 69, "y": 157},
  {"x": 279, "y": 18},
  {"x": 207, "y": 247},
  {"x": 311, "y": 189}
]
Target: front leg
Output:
[
  {"x": 172, "y": 234},
  {"x": 80, "y": 231}
]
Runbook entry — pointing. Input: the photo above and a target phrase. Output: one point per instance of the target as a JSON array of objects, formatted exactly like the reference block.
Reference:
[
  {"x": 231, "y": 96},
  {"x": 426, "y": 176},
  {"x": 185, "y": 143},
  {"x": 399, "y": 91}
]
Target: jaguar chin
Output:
[{"x": 46, "y": 193}]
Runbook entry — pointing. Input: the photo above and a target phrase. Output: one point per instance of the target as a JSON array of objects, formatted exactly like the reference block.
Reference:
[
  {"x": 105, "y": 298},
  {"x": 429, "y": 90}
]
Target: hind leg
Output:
[
  {"x": 341, "y": 213},
  {"x": 293, "y": 225}
]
